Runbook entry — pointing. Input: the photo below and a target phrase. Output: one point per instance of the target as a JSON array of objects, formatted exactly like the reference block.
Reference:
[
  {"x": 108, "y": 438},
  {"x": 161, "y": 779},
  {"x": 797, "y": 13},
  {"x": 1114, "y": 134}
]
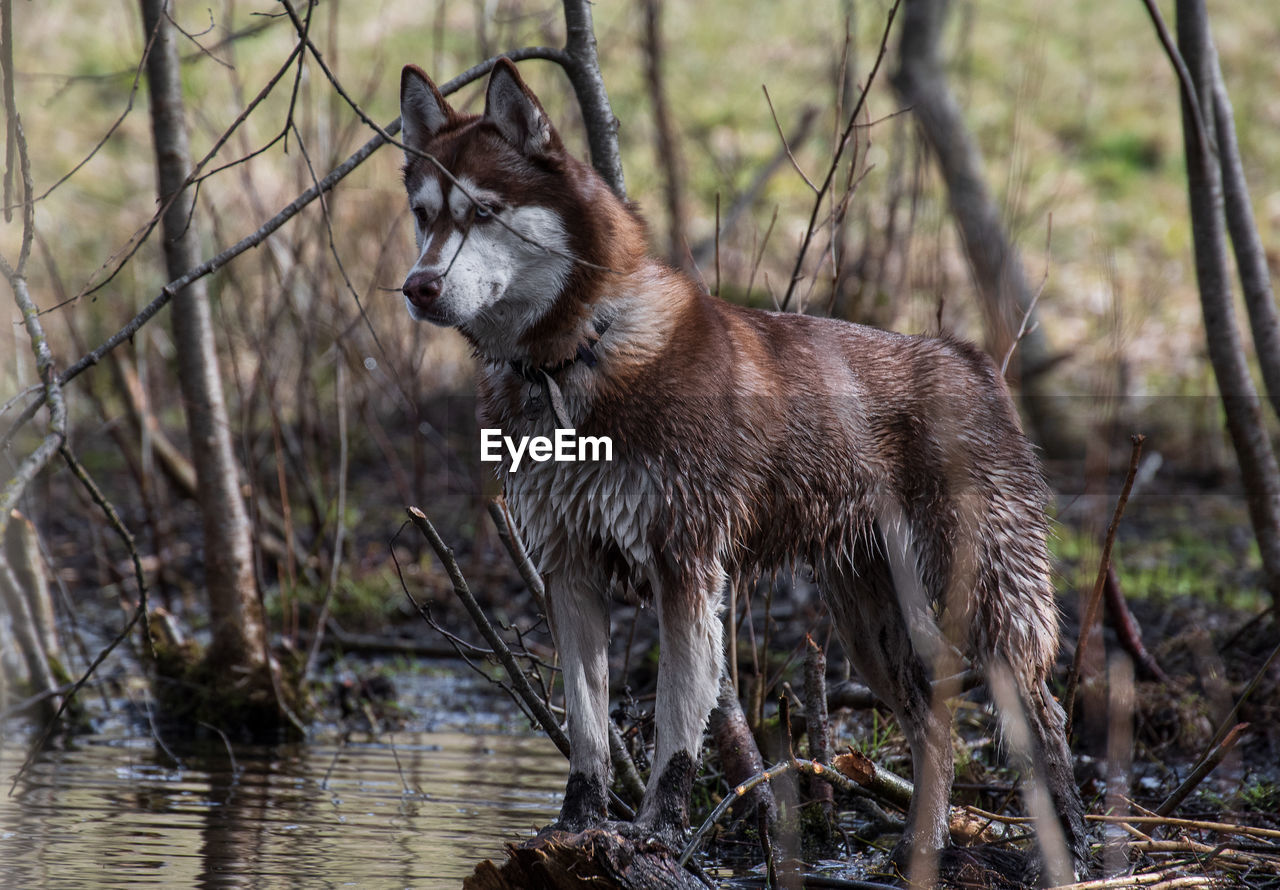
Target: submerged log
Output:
[{"x": 598, "y": 857}]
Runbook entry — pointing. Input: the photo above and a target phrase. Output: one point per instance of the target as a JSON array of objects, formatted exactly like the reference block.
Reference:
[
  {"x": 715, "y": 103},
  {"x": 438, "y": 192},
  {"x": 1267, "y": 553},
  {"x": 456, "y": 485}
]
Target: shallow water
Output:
[{"x": 415, "y": 808}]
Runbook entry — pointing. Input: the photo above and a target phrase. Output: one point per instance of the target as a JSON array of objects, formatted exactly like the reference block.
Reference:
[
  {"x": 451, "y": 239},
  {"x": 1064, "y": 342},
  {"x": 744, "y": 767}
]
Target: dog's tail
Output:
[
  {"x": 1012, "y": 614},
  {"x": 1013, "y": 633}
]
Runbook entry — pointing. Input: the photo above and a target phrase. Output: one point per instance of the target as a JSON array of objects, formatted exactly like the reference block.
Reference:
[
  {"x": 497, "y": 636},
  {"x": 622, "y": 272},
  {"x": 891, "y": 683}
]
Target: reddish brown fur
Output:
[{"x": 756, "y": 440}]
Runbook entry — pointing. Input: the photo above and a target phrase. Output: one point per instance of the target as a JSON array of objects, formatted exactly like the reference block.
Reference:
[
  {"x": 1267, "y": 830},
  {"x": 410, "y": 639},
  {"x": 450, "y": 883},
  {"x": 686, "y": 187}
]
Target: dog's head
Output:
[{"x": 494, "y": 250}]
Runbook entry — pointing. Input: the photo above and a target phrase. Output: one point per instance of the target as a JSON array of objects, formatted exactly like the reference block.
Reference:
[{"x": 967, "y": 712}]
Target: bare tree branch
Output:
[
  {"x": 841, "y": 145},
  {"x": 11, "y": 594},
  {"x": 257, "y": 237}
]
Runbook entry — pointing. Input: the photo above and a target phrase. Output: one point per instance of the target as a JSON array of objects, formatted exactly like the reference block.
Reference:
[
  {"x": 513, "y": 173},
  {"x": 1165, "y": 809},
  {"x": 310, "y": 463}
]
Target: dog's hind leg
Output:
[
  {"x": 580, "y": 625},
  {"x": 690, "y": 659},
  {"x": 875, "y": 622}
]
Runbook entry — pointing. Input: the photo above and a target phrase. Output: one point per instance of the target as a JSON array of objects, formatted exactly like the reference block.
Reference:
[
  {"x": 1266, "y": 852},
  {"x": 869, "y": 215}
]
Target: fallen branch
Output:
[
  {"x": 598, "y": 857},
  {"x": 519, "y": 682},
  {"x": 1198, "y": 849},
  {"x": 623, "y": 766},
  {"x": 1162, "y": 878},
  {"x": 1202, "y": 769},
  {"x": 1191, "y": 825},
  {"x": 1127, "y": 630}
]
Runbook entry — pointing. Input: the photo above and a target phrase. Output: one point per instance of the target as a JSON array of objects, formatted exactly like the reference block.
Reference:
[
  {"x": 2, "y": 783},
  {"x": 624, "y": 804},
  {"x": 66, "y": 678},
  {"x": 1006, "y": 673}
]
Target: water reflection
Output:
[{"x": 408, "y": 809}]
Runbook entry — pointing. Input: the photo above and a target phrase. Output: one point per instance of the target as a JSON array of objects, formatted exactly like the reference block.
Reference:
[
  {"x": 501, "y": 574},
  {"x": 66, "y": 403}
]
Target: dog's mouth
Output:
[{"x": 427, "y": 311}]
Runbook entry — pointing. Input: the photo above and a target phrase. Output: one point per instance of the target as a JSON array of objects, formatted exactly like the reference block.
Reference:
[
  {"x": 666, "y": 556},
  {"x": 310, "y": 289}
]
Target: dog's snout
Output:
[{"x": 422, "y": 288}]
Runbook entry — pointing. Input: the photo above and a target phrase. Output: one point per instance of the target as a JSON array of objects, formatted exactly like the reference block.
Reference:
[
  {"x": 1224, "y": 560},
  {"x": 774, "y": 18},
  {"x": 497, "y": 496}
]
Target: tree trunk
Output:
[
  {"x": 1251, "y": 259},
  {"x": 583, "y": 69},
  {"x": 1240, "y": 400},
  {"x": 668, "y": 155},
  {"x": 598, "y": 857},
  {"x": 239, "y": 633},
  {"x": 1005, "y": 296}
]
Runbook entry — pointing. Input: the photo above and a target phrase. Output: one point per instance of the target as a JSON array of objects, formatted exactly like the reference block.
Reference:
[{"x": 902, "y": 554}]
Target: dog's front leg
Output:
[
  {"x": 580, "y": 624},
  {"x": 690, "y": 657}
]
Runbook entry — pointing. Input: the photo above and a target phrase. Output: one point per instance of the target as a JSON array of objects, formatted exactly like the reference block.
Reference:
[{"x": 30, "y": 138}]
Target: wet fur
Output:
[{"x": 744, "y": 441}]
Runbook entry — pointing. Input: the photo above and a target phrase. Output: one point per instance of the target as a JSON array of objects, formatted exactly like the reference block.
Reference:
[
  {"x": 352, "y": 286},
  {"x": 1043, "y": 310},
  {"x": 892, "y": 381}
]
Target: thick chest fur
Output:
[{"x": 578, "y": 513}]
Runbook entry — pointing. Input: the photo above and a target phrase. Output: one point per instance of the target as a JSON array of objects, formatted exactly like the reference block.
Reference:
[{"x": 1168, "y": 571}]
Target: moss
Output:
[
  {"x": 1259, "y": 796},
  {"x": 196, "y": 690}
]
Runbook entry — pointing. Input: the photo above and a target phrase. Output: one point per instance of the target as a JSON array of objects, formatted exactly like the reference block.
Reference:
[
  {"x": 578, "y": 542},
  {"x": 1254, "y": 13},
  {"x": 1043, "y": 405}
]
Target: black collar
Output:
[{"x": 585, "y": 354}]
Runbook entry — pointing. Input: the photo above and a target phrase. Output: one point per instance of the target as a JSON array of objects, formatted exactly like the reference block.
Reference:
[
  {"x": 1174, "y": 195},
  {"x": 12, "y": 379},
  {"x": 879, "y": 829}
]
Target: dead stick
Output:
[
  {"x": 515, "y": 547},
  {"x": 1191, "y": 825},
  {"x": 1127, "y": 629},
  {"x": 519, "y": 682},
  {"x": 623, "y": 766},
  {"x": 1141, "y": 879},
  {"x": 1202, "y": 769},
  {"x": 817, "y": 722},
  {"x": 1095, "y": 598},
  {"x": 1190, "y": 846},
  {"x": 1227, "y": 729}
]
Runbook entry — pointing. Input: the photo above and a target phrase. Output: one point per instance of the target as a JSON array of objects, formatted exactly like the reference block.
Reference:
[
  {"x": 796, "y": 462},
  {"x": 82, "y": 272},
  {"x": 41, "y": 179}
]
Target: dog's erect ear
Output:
[
  {"x": 515, "y": 111},
  {"x": 423, "y": 111}
]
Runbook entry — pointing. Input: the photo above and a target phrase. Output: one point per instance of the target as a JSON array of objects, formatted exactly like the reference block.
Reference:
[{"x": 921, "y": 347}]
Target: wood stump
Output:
[{"x": 597, "y": 858}]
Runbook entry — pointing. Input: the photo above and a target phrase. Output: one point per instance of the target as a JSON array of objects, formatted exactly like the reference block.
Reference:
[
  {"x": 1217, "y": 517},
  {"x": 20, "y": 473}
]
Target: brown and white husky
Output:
[{"x": 743, "y": 441}]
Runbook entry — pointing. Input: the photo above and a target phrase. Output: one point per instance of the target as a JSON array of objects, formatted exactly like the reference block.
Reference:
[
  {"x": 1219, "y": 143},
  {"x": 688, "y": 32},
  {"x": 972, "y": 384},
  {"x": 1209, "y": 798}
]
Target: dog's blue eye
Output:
[{"x": 484, "y": 211}]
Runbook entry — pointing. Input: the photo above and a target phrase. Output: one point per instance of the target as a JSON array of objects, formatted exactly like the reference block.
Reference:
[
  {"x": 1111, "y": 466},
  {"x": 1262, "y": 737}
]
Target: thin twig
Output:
[
  {"x": 1206, "y": 765},
  {"x": 257, "y": 237},
  {"x": 519, "y": 682},
  {"x": 835, "y": 160},
  {"x": 121, "y": 257},
  {"x": 340, "y": 385},
  {"x": 1095, "y": 597},
  {"x": 1023, "y": 330},
  {"x": 140, "y": 612},
  {"x": 786, "y": 146}
]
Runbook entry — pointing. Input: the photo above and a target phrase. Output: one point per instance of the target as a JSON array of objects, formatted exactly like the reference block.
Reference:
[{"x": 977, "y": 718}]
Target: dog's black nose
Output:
[{"x": 422, "y": 289}]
